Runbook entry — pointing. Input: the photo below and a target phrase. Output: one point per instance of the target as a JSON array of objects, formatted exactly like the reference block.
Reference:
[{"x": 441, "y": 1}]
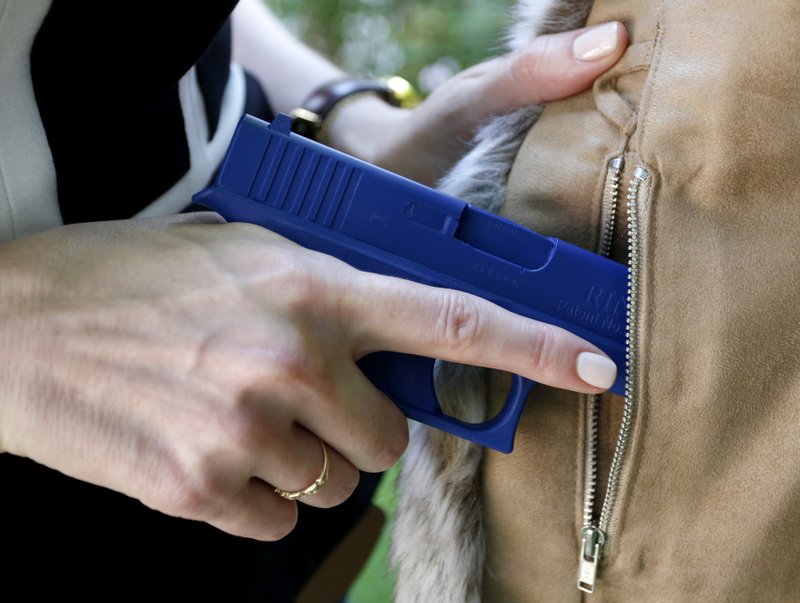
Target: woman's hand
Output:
[
  {"x": 194, "y": 365},
  {"x": 425, "y": 142}
]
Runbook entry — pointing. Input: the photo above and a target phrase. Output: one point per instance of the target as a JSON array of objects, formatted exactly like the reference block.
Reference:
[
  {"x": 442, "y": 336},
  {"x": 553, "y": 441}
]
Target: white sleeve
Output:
[{"x": 28, "y": 195}]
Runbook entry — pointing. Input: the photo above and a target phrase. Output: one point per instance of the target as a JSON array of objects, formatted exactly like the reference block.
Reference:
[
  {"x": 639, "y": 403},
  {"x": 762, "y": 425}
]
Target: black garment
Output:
[
  {"x": 87, "y": 543},
  {"x": 105, "y": 76}
]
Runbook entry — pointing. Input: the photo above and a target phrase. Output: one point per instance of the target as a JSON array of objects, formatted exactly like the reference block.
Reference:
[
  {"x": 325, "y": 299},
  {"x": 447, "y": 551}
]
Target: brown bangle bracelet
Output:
[{"x": 308, "y": 119}]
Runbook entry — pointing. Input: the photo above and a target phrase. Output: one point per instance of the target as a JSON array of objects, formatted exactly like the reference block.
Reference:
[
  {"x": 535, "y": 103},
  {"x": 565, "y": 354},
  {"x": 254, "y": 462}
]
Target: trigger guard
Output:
[{"x": 408, "y": 381}]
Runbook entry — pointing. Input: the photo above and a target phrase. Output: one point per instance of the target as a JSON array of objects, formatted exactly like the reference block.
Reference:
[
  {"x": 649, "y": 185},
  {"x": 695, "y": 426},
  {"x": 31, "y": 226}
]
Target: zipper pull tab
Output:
[{"x": 592, "y": 541}]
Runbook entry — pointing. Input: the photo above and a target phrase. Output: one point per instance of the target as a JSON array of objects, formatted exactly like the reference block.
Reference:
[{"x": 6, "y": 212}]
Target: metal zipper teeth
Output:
[
  {"x": 590, "y": 458},
  {"x": 608, "y": 212},
  {"x": 593, "y": 536},
  {"x": 635, "y": 192},
  {"x": 607, "y": 219}
]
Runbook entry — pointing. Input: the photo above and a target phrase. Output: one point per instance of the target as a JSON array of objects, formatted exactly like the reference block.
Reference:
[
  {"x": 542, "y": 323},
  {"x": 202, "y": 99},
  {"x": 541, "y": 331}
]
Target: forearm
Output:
[
  {"x": 289, "y": 71},
  {"x": 286, "y": 68},
  {"x": 424, "y": 143}
]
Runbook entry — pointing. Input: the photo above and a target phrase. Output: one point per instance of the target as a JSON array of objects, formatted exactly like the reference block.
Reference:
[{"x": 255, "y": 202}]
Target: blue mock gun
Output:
[{"x": 381, "y": 222}]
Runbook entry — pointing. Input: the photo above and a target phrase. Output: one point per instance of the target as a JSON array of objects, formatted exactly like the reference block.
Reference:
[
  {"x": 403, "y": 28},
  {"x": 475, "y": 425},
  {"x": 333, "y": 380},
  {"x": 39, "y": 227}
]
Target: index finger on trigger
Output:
[{"x": 402, "y": 316}]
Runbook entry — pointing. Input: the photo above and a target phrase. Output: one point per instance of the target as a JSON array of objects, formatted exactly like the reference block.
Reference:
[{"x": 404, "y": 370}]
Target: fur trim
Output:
[
  {"x": 438, "y": 544},
  {"x": 533, "y": 18},
  {"x": 438, "y": 541}
]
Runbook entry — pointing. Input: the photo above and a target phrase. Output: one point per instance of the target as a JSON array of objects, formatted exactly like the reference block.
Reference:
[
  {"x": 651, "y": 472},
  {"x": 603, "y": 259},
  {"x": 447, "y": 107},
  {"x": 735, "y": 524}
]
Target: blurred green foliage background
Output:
[{"x": 424, "y": 41}]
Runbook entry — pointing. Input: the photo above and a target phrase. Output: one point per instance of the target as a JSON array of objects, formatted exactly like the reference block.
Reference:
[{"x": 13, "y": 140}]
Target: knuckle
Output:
[
  {"x": 305, "y": 291},
  {"x": 269, "y": 524},
  {"x": 288, "y": 369},
  {"x": 298, "y": 371},
  {"x": 390, "y": 447},
  {"x": 286, "y": 361},
  {"x": 458, "y": 324},
  {"x": 291, "y": 361},
  {"x": 545, "y": 352},
  {"x": 340, "y": 489},
  {"x": 195, "y": 495},
  {"x": 525, "y": 67},
  {"x": 243, "y": 428},
  {"x": 348, "y": 485},
  {"x": 306, "y": 284},
  {"x": 384, "y": 459},
  {"x": 531, "y": 63},
  {"x": 280, "y": 528}
]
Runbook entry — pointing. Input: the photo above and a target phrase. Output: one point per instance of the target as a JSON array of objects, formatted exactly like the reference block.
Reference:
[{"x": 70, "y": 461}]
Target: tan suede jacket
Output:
[{"x": 684, "y": 162}]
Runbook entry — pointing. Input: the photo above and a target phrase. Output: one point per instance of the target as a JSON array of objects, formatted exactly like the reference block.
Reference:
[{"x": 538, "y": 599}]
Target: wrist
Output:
[
  {"x": 362, "y": 126},
  {"x": 389, "y": 137},
  {"x": 311, "y": 118},
  {"x": 326, "y": 114}
]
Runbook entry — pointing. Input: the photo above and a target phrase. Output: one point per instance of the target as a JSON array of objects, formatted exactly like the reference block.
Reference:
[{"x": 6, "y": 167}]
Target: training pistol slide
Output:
[{"x": 380, "y": 222}]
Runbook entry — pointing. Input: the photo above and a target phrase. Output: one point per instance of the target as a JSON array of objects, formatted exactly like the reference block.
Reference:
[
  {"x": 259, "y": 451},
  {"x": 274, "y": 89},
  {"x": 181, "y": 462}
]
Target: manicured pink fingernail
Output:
[
  {"x": 597, "y": 42},
  {"x": 594, "y": 369}
]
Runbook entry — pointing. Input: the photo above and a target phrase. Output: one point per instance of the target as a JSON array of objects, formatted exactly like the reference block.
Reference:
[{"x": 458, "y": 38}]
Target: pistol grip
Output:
[{"x": 408, "y": 381}]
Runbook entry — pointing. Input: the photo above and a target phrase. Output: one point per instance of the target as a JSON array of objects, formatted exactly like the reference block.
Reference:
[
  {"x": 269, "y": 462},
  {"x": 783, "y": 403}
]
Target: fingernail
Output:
[
  {"x": 594, "y": 369},
  {"x": 596, "y": 43}
]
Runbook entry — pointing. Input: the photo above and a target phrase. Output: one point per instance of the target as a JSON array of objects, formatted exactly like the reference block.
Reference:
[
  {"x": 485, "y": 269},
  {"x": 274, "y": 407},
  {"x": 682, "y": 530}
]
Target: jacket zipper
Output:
[
  {"x": 591, "y": 539},
  {"x": 608, "y": 212},
  {"x": 595, "y": 529}
]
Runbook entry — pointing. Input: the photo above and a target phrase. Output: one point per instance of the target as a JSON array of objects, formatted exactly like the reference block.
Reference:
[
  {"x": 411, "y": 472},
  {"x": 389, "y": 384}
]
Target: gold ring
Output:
[{"x": 313, "y": 488}]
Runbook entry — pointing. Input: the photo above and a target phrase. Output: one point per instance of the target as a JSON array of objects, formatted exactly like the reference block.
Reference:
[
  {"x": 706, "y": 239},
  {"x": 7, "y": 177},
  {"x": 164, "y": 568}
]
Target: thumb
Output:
[{"x": 559, "y": 65}]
